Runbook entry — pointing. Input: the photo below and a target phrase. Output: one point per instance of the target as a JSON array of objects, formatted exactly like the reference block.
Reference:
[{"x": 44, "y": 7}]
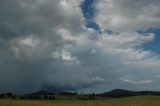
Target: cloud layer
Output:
[
  {"x": 46, "y": 45},
  {"x": 127, "y": 15}
]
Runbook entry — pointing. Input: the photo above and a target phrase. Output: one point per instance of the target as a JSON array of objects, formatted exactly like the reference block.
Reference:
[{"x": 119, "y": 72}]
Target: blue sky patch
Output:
[
  {"x": 88, "y": 12},
  {"x": 154, "y": 45}
]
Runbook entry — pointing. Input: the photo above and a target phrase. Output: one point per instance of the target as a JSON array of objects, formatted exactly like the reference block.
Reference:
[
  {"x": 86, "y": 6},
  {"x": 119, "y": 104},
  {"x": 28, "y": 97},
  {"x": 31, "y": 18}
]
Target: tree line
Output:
[{"x": 44, "y": 95}]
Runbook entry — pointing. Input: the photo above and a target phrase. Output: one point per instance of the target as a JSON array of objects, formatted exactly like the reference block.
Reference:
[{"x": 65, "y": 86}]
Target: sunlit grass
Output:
[{"x": 130, "y": 101}]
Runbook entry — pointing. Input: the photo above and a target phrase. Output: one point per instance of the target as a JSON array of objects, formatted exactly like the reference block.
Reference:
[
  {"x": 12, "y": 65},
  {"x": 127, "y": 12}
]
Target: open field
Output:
[{"x": 129, "y": 101}]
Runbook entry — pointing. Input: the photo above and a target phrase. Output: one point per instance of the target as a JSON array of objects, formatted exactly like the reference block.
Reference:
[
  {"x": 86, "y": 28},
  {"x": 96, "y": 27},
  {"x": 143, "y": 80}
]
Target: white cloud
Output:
[
  {"x": 127, "y": 15},
  {"x": 29, "y": 42},
  {"x": 125, "y": 39},
  {"x": 123, "y": 80},
  {"x": 65, "y": 56}
]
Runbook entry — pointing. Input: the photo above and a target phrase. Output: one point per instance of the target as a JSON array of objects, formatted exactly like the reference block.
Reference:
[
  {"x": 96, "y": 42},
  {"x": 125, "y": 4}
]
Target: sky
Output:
[{"x": 79, "y": 45}]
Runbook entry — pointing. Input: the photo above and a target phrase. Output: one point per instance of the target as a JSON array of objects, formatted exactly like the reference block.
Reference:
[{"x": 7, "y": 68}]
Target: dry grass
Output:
[{"x": 130, "y": 101}]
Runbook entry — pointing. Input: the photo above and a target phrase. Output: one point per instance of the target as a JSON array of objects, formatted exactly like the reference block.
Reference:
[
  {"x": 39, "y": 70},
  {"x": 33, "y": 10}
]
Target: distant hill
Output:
[
  {"x": 42, "y": 93},
  {"x": 52, "y": 93},
  {"x": 118, "y": 93},
  {"x": 47, "y": 95}
]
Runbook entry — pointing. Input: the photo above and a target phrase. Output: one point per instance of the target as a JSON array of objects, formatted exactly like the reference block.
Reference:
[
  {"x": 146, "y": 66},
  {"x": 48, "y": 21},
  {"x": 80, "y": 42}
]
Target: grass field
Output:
[{"x": 130, "y": 101}]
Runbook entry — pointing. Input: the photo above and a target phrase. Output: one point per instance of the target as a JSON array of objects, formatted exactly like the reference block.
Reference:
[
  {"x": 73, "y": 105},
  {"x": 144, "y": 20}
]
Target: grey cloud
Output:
[
  {"x": 29, "y": 36},
  {"x": 45, "y": 45},
  {"x": 30, "y": 29}
]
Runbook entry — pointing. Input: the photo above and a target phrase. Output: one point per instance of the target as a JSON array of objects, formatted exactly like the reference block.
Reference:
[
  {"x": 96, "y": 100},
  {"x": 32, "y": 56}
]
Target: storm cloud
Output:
[{"x": 46, "y": 45}]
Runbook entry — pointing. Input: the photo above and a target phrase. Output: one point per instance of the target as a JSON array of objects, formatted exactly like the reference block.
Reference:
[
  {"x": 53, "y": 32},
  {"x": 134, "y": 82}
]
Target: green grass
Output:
[{"x": 130, "y": 101}]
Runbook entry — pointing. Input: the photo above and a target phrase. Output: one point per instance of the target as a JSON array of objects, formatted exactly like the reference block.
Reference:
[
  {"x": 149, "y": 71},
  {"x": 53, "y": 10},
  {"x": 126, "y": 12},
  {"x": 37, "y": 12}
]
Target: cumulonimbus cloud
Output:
[{"x": 46, "y": 45}]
